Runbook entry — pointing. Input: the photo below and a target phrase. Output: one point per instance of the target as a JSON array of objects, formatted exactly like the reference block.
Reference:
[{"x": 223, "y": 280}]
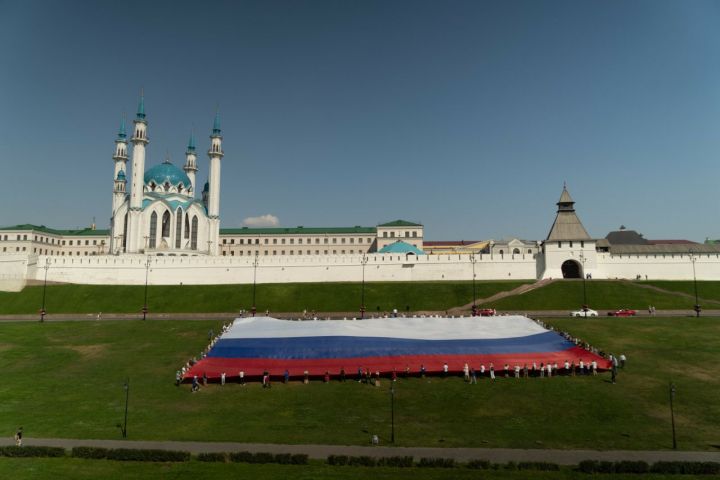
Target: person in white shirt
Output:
[
  {"x": 594, "y": 367},
  {"x": 549, "y": 370},
  {"x": 445, "y": 369},
  {"x": 517, "y": 371},
  {"x": 222, "y": 378},
  {"x": 466, "y": 372},
  {"x": 241, "y": 377},
  {"x": 492, "y": 372}
]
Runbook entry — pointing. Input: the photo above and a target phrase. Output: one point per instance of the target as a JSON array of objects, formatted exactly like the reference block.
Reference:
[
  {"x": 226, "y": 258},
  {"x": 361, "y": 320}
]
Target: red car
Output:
[
  {"x": 487, "y": 312},
  {"x": 623, "y": 312}
]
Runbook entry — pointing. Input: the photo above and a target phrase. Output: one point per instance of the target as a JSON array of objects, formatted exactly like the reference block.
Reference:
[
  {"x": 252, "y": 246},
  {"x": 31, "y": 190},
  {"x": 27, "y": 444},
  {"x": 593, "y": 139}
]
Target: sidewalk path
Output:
[
  {"x": 496, "y": 455},
  {"x": 227, "y": 316}
]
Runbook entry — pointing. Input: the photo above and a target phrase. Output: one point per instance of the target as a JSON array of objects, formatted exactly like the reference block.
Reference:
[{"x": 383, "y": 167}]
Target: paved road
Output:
[
  {"x": 66, "y": 317},
  {"x": 497, "y": 455}
]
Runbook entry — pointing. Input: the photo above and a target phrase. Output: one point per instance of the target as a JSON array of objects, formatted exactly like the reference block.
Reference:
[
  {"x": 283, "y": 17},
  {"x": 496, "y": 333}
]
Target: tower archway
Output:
[{"x": 571, "y": 269}]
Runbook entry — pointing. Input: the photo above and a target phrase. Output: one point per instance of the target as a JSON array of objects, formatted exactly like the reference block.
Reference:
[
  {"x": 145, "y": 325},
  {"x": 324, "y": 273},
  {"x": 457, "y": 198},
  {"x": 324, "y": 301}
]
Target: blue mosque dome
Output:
[{"x": 167, "y": 172}]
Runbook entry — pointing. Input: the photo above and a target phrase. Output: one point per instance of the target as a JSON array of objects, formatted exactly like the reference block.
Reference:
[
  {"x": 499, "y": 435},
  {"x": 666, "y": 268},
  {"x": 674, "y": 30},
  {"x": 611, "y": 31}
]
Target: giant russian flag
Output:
[{"x": 258, "y": 344}]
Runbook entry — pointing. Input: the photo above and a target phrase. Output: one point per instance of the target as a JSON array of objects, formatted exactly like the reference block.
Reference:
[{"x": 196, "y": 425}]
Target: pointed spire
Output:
[
  {"x": 122, "y": 133},
  {"x": 141, "y": 106},
  {"x": 566, "y": 200},
  {"x": 216, "y": 123},
  {"x": 191, "y": 142},
  {"x": 167, "y": 157}
]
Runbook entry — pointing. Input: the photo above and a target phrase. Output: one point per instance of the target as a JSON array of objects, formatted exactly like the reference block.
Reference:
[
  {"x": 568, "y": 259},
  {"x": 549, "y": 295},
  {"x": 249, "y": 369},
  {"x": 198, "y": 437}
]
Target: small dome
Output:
[
  {"x": 121, "y": 176},
  {"x": 401, "y": 247},
  {"x": 166, "y": 172}
]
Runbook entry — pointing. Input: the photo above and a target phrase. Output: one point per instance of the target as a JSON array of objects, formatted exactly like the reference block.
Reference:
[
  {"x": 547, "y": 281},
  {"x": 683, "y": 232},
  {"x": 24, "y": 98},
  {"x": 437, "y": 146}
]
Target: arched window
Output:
[
  {"x": 187, "y": 226},
  {"x": 502, "y": 252},
  {"x": 167, "y": 186},
  {"x": 193, "y": 235},
  {"x": 516, "y": 251},
  {"x": 153, "y": 230},
  {"x": 124, "y": 237},
  {"x": 178, "y": 227},
  {"x": 166, "y": 224}
]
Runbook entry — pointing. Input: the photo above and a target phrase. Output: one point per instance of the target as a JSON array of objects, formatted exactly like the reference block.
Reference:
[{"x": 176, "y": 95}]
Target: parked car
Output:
[
  {"x": 589, "y": 312},
  {"x": 623, "y": 312},
  {"x": 487, "y": 312}
]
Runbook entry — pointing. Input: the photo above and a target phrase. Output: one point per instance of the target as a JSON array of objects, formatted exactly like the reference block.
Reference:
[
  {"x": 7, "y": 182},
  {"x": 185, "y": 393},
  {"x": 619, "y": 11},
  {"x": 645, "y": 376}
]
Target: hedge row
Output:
[
  {"x": 680, "y": 468},
  {"x": 364, "y": 461},
  {"x": 131, "y": 454},
  {"x": 32, "y": 451},
  {"x": 260, "y": 457}
]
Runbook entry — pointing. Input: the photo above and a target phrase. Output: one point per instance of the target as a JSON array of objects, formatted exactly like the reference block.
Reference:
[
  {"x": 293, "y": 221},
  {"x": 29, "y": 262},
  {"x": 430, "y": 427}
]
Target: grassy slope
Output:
[
  {"x": 65, "y": 380},
  {"x": 706, "y": 289},
  {"x": 328, "y": 297},
  {"x": 601, "y": 294},
  {"x": 93, "y": 469}
]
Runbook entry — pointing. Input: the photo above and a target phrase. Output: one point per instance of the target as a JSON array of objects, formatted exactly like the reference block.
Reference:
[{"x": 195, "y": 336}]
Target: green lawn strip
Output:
[
  {"x": 288, "y": 297},
  {"x": 707, "y": 290},
  {"x": 71, "y": 468},
  {"x": 601, "y": 294},
  {"x": 65, "y": 379}
]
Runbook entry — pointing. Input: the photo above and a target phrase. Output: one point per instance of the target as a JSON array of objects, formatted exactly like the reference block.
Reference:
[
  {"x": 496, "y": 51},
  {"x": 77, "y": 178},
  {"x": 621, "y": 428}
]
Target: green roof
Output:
[
  {"x": 42, "y": 228},
  {"x": 296, "y": 230},
  {"x": 400, "y": 223}
]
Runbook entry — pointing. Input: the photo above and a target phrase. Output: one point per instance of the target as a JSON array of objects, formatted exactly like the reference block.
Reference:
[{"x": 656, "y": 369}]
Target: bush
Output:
[
  {"x": 479, "y": 464},
  {"x": 587, "y": 466},
  {"x": 401, "y": 462},
  {"x": 627, "y": 466},
  {"x": 362, "y": 461},
  {"x": 241, "y": 457},
  {"x": 544, "y": 466},
  {"x": 511, "y": 466},
  {"x": 686, "y": 468},
  {"x": 147, "y": 455},
  {"x": 212, "y": 457},
  {"x": 338, "y": 460},
  {"x": 94, "y": 453},
  {"x": 437, "y": 462},
  {"x": 31, "y": 451},
  {"x": 263, "y": 457},
  {"x": 299, "y": 459}
]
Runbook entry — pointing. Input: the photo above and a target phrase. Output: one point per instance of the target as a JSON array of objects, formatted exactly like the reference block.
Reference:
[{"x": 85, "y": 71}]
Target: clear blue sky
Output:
[{"x": 466, "y": 116}]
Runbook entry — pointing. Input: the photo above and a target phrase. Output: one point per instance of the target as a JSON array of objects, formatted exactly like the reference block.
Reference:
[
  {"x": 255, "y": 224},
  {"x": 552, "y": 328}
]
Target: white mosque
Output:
[{"x": 160, "y": 212}]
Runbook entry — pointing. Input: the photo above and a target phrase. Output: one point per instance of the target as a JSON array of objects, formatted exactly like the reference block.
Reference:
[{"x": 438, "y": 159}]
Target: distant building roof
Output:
[
  {"x": 625, "y": 237},
  {"x": 401, "y": 247},
  {"x": 450, "y": 243},
  {"x": 670, "y": 248},
  {"x": 672, "y": 242},
  {"x": 296, "y": 230},
  {"x": 399, "y": 223},
  {"x": 53, "y": 231}
]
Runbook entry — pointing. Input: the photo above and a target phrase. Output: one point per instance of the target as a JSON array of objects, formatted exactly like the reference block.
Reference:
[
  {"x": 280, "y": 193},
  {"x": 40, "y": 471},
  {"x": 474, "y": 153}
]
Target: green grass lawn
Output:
[
  {"x": 707, "y": 290},
  {"x": 64, "y": 379},
  {"x": 601, "y": 294},
  {"x": 289, "y": 297},
  {"x": 18, "y": 468}
]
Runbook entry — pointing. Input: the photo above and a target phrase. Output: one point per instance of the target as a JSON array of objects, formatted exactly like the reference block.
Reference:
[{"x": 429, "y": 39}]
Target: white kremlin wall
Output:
[
  {"x": 658, "y": 266},
  {"x": 15, "y": 270},
  {"x": 202, "y": 270}
]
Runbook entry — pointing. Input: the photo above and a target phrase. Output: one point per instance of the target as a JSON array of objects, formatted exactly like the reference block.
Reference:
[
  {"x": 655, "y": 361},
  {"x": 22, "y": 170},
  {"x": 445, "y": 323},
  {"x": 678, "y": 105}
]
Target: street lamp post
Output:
[
  {"x": 474, "y": 305},
  {"x": 147, "y": 273},
  {"x": 42, "y": 309},
  {"x": 362, "y": 298},
  {"x": 672, "y": 414},
  {"x": 126, "y": 387},
  {"x": 255, "y": 265},
  {"x": 697, "y": 307},
  {"x": 392, "y": 411},
  {"x": 584, "y": 277}
]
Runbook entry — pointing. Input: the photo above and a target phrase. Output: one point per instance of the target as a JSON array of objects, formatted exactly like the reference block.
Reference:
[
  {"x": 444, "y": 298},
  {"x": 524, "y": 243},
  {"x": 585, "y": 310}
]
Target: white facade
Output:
[{"x": 161, "y": 213}]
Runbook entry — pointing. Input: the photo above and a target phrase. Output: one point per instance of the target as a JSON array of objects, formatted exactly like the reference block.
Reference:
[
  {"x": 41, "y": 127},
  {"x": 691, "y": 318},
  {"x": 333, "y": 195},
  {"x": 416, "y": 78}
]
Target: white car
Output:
[{"x": 582, "y": 313}]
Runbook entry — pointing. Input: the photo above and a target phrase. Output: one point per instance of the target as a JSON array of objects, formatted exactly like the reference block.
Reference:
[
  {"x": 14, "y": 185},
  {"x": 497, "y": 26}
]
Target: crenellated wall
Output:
[{"x": 131, "y": 269}]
